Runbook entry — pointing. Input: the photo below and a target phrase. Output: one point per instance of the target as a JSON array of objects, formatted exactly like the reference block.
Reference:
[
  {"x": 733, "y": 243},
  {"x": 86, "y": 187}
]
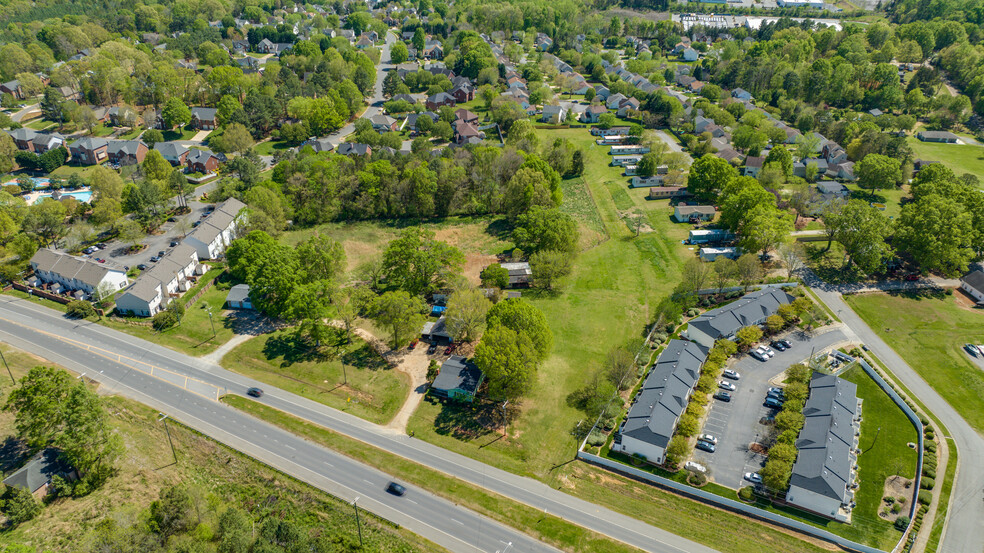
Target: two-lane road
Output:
[{"x": 39, "y": 330}]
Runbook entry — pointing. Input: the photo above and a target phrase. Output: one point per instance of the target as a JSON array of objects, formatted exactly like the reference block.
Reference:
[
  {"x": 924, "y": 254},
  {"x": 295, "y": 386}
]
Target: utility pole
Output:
[
  {"x": 8, "y": 367},
  {"x": 173, "y": 454},
  {"x": 210, "y": 321},
  {"x": 504, "y": 403},
  {"x": 355, "y": 504}
]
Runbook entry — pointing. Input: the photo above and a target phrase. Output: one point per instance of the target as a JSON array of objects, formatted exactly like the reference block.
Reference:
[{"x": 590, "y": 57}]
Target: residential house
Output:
[
  {"x": 615, "y": 100},
  {"x": 628, "y": 149},
  {"x": 602, "y": 92},
  {"x": 921, "y": 163},
  {"x": 741, "y": 94},
  {"x": 413, "y": 118},
  {"x": 925, "y": 136},
  {"x": 824, "y": 474},
  {"x": 458, "y": 379},
  {"x": 204, "y": 118},
  {"x": 436, "y": 332},
  {"x": 467, "y": 133},
  {"x": 691, "y": 213},
  {"x": 173, "y": 152},
  {"x": 667, "y": 192},
  {"x": 37, "y": 474},
  {"x": 689, "y": 54},
  {"x": 200, "y": 161},
  {"x": 625, "y": 161},
  {"x": 122, "y": 116},
  {"x": 23, "y": 138},
  {"x": 354, "y": 149},
  {"x": 69, "y": 93},
  {"x": 238, "y": 297},
  {"x": 646, "y": 182},
  {"x": 405, "y": 98},
  {"x": 730, "y": 155},
  {"x": 47, "y": 141},
  {"x": 433, "y": 50},
  {"x": 710, "y": 254},
  {"x": 172, "y": 275},
  {"x": 434, "y": 102},
  {"x": 218, "y": 230},
  {"x": 364, "y": 42},
  {"x": 593, "y": 113},
  {"x": 630, "y": 104},
  {"x": 973, "y": 284},
  {"x": 463, "y": 92},
  {"x": 543, "y": 42},
  {"x": 248, "y": 64},
  {"x": 466, "y": 116},
  {"x": 831, "y": 188},
  {"x": 709, "y": 236},
  {"x": 127, "y": 152},
  {"x": 318, "y": 144},
  {"x": 89, "y": 150},
  {"x": 753, "y": 166},
  {"x": 553, "y": 115},
  {"x": 696, "y": 86},
  {"x": 752, "y": 309},
  {"x": 843, "y": 170},
  {"x": 612, "y": 131},
  {"x": 68, "y": 273},
  {"x": 13, "y": 88},
  {"x": 520, "y": 274},
  {"x": 658, "y": 405},
  {"x": 383, "y": 123}
]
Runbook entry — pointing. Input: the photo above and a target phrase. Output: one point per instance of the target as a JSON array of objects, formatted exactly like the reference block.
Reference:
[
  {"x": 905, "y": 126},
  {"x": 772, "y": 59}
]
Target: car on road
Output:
[
  {"x": 432, "y": 348},
  {"x": 254, "y": 392},
  {"x": 154, "y": 259},
  {"x": 760, "y": 355},
  {"x": 753, "y": 477},
  {"x": 705, "y": 446},
  {"x": 725, "y": 385},
  {"x": 395, "y": 489},
  {"x": 694, "y": 467},
  {"x": 142, "y": 267},
  {"x": 778, "y": 345},
  {"x": 773, "y": 403},
  {"x": 733, "y": 375},
  {"x": 708, "y": 438},
  {"x": 723, "y": 396}
]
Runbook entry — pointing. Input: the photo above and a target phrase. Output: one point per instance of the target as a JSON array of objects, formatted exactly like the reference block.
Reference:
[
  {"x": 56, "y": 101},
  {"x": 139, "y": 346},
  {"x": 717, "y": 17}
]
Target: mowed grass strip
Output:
[
  {"x": 929, "y": 332},
  {"x": 534, "y": 522},
  {"x": 960, "y": 158},
  {"x": 365, "y": 387}
]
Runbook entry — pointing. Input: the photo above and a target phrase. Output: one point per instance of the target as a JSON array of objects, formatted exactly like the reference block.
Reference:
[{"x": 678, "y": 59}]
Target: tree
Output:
[
  {"x": 45, "y": 221},
  {"x": 938, "y": 233},
  {"x": 105, "y": 183},
  {"x": 548, "y": 266},
  {"x": 172, "y": 512},
  {"x": 862, "y": 230},
  {"x": 155, "y": 167},
  {"x": 19, "y": 506},
  {"x": 776, "y": 474},
  {"x": 235, "y": 138},
  {"x": 791, "y": 254},
  {"x": 782, "y": 158},
  {"x": 725, "y": 271},
  {"x": 774, "y": 323},
  {"x": 876, "y": 171},
  {"x": 151, "y": 137},
  {"x": 87, "y": 440},
  {"x": 509, "y": 361},
  {"x": 129, "y": 231},
  {"x": 740, "y": 200},
  {"x": 402, "y": 313},
  {"x": 525, "y": 190},
  {"x": 523, "y": 317},
  {"x": 79, "y": 309},
  {"x": 708, "y": 175},
  {"x": 466, "y": 314},
  {"x": 38, "y": 403},
  {"x": 418, "y": 263},
  {"x": 620, "y": 367},
  {"x": 677, "y": 450},
  {"x": 399, "y": 53},
  {"x": 175, "y": 113},
  {"x": 545, "y": 229},
  {"x": 694, "y": 275},
  {"x": 765, "y": 228},
  {"x": 747, "y": 336},
  {"x": 749, "y": 269},
  {"x": 321, "y": 258},
  {"x": 606, "y": 120},
  {"x": 495, "y": 276}
]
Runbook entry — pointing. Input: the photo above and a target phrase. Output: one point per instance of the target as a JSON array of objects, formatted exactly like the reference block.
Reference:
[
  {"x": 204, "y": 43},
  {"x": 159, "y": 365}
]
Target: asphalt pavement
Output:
[{"x": 40, "y": 330}]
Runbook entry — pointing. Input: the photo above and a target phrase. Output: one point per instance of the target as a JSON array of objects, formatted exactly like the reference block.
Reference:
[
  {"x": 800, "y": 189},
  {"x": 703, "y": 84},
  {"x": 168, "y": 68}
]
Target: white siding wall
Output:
[
  {"x": 696, "y": 335},
  {"x": 970, "y": 290},
  {"x": 813, "y": 501},
  {"x": 652, "y": 453}
]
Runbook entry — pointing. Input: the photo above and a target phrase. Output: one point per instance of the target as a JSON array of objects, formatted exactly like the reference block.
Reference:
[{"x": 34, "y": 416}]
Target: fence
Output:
[
  {"x": 204, "y": 289},
  {"x": 913, "y": 418},
  {"x": 711, "y": 291}
]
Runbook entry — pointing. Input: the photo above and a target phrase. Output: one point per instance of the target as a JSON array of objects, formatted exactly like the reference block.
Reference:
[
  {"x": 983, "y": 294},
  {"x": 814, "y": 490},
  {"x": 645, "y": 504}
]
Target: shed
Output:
[
  {"x": 35, "y": 476},
  {"x": 238, "y": 297},
  {"x": 436, "y": 332},
  {"x": 973, "y": 284},
  {"x": 458, "y": 379}
]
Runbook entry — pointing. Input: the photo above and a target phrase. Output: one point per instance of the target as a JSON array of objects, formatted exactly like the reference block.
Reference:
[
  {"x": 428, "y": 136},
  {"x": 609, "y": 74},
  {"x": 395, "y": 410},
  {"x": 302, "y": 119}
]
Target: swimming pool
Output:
[
  {"x": 82, "y": 196},
  {"x": 39, "y": 182}
]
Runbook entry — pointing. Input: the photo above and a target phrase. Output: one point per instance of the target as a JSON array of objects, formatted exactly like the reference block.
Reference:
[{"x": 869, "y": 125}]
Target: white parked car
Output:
[
  {"x": 695, "y": 467},
  {"x": 733, "y": 375},
  {"x": 708, "y": 438},
  {"x": 769, "y": 351},
  {"x": 725, "y": 385},
  {"x": 765, "y": 351},
  {"x": 753, "y": 477}
]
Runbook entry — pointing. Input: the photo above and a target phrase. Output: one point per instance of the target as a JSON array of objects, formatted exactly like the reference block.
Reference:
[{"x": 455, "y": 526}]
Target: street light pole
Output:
[
  {"x": 168, "y": 432},
  {"x": 210, "y": 321},
  {"x": 508, "y": 545},
  {"x": 7, "y": 366},
  {"x": 355, "y": 504}
]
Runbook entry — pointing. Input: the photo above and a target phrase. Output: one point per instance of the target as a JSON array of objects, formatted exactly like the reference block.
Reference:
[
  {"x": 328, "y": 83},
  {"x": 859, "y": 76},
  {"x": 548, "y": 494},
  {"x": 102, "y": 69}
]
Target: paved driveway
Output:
[{"x": 737, "y": 424}]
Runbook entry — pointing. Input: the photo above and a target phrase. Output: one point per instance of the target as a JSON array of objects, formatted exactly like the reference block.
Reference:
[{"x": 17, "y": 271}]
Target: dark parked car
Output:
[
  {"x": 161, "y": 253},
  {"x": 255, "y": 392},
  {"x": 395, "y": 489},
  {"x": 174, "y": 243},
  {"x": 154, "y": 259},
  {"x": 705, "y": 446},
  {"x": 773, "y": 403},
  {"x": 723, "y": 396},
  {"x": 432, "y": 348},
  {"x": 779, "y": 345},
  {"x": 786, "y": 343},
  {"x": 195, "y": 224},
  {"x": 142, "y": 267},
  {"x": 171, "y": 219}
]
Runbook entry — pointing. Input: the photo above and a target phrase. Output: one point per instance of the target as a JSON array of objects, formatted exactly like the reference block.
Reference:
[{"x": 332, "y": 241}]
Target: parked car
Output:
[
  {"x": 161, "y": 253},
  {"x": 705, "y": 446},
  {"x": 776, "y": 391},
  {"x": 694, "y": 467},
  {"x": 412, "y": 345},
  {"x": 174, "y": 243},
  {"x": 432, "y": 348},
  {"x": 395, "y": 489},
  {"x": 753, "y": 477},
  {"x": 723, "y": 396},
  {"x": 725, "y": 385},
  {"x": 778, "y": 345},
  {"x": 101, "y": 245},
  {"x": 255, "y": 392},
  {"x": 972, "y": 349},
  {"x": 761, "y": 356},
  {"x": 90, "y": 249},
  {"x": 154, "y": 259},
  {"x": 450, "y": 349},
  {"x": 195, "y": 224},
  {"x": 912, "y": 277},
  {"x": 733, "y": 375},
  {"x": 708, "y": 438},
  {"x": 765, "y": 350},
  {"x": 773, "y": 403},
  {"x": 142, "y": 267},
  {"x": 786, "y": 343}
]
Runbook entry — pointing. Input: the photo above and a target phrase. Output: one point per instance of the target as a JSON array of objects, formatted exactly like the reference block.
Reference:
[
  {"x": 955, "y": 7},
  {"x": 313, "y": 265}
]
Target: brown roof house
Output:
[
  {"x": 200, "y": 161},
  {"x": 127, "y": 152},
  {"x": 204, "y": 118},
  {"x": 89, "y": 150}
]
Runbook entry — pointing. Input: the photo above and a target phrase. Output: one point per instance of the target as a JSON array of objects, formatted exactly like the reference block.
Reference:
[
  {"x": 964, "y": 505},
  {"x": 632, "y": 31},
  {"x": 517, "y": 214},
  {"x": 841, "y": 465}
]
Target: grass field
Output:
[
  {"x": 226, "y": 478},
  {"x": 373, "y": 391},
  {"x": 885, "y": 431},
  {"x": 929, "y": 332},
  {"x": 269, "y": 147},
  {"x": 194, "y": 335},
  {"x": 961, "y": 158},
  {"x": 181, "y": 133},
  {"x": 892, "y": 198}
]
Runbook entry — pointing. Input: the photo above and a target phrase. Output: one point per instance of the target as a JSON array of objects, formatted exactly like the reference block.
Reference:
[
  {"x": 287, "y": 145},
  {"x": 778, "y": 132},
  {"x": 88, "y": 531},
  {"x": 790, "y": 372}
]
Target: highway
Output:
[
  {"x": 966, "y": 515},
  {"x": 87, "y": 347}
]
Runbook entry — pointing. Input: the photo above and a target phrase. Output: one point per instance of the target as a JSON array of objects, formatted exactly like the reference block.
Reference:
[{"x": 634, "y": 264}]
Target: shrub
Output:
[
  {"x": 901, "y": 523},
  {"x": 897, "y": 508},
  {"x": 688, "y": 426},
  {"x": 927, "y": 428},
  {"x": 746, "y": 493},
  {"x": 596, "y": 438},
  {"x": 692, "y": 312},
  {"x": 925, "y": 497},
  {"x": 888, "y": 499},
  {"x": 931, "y": 473},
  {"x": 927, "y": 483},
  {"x": 697, "y": 478},
  {"x": 930, "y": 447},
  {"x": 901, "y": 500},
  {"x": 929, "y": 435},
  {"x": 949, "y": 291},
  {"x": 164, "y": 320},
  {"x": 79, "y": 309},
  {"x": 19, "y": 506}
]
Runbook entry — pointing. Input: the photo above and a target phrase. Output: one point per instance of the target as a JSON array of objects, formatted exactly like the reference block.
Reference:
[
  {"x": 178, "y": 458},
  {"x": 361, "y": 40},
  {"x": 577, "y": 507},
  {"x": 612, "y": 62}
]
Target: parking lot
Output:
[{"x": 737, "y": 424}]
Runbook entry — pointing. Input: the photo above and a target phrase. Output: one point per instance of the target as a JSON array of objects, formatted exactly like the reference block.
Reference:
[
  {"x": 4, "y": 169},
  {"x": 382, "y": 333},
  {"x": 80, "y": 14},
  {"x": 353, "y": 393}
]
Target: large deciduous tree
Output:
[
  {"x": 876, "y": 171},
  {"x": 466, "y": 314},
  {"x": 401, "y": 313},
  {"x": 708, "y": 175},
  {"x": 522, "y": 316},
  {"x": 418, "y": 263},
  {"x": 938, "y": 232},
  {"x": 545, "y": 229},
  {"x": 509, "y": 361}
]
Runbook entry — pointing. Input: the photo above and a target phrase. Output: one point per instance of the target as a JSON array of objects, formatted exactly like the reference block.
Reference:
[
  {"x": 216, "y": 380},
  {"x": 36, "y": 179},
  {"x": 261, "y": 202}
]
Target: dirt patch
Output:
[
  {"x": 474, "y": 263},
  {"x": 758, "y": 448},
  {"x": 964, "y": 300},
  {"x": 895, "y": 488}
]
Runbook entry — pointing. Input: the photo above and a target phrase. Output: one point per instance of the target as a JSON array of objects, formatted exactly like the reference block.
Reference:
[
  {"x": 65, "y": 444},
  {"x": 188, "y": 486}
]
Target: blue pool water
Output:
[
  {"x": 39, "y": 182},
  {"x": 84, "y": 196}
]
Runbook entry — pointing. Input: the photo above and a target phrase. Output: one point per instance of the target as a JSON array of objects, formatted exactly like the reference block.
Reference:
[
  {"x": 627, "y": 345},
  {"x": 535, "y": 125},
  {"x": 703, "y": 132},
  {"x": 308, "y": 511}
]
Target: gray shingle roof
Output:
[
  {"x": 975, "y": 280},
  {"x": 38, "y": 471},
  {"x": 170, "y": 149},
  {"x": 238, "y": 293},
  {"x": 663, "y": 396},
  {"x": 457, "y": 373},
  {"x": 82, "y": 269},
  {"x": 751, "y": 308},
  {"x": 203, "y": 114}
]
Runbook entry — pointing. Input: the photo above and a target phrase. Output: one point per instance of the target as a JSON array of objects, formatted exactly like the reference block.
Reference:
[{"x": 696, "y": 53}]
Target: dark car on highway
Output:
[
  {"x": 395, "y": 489},
  {"x": 255, "y": 392}
]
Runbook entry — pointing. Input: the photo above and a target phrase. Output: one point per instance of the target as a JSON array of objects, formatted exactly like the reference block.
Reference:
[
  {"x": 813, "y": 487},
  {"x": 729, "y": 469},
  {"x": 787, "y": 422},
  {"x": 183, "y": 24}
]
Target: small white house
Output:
[
  {"x": 710, "y": 254},
  {"x": 973, "y": 284},
  {"x": 553, "y": 115}
]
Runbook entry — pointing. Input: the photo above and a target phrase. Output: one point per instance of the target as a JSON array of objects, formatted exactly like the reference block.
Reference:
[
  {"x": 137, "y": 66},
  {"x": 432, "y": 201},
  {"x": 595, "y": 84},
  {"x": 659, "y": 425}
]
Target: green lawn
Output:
[
  {"x": 892, "y": 198},
  {"x": 66, "y": 171},
  {"x": 181, "y": 133},
  {"x": 929, "y": 332},
  {"x": 269, "y": 147},
  {"x": 961, "y": 158},
  {"x": 40, "y": 124},
  {"x": 133, "y": 133},
  {"x": 885, "y": 431},
  {"x": 194, "y": 335},
  {"x": 374, "y": 391},
  {"x": 102, "y": 130}
]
